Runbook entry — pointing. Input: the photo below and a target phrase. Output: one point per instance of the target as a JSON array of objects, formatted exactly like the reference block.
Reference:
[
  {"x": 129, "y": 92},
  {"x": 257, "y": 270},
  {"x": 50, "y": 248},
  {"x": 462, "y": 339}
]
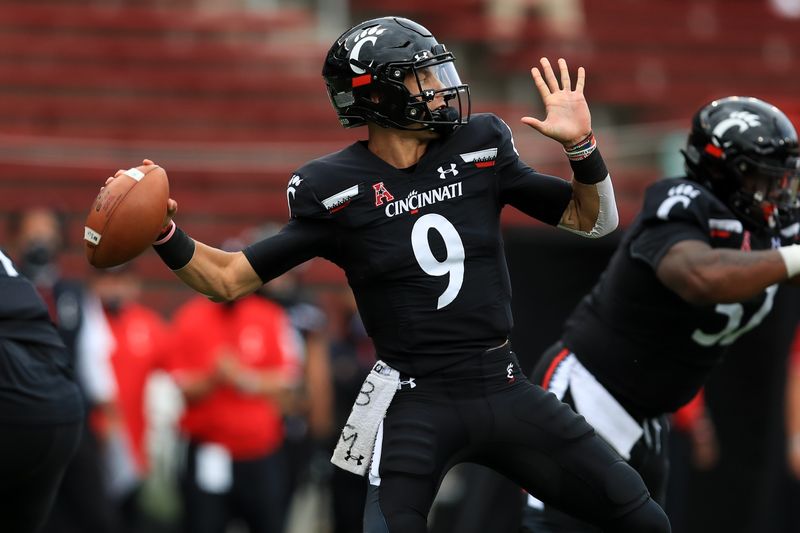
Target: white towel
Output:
[
  {"x": 356, "y": 443},
  {"x": 603, "y": 411}
]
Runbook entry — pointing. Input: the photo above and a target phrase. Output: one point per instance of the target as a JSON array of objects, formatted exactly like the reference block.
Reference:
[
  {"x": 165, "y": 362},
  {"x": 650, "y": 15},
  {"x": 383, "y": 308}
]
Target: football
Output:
[{"x": 126, "y": 217}]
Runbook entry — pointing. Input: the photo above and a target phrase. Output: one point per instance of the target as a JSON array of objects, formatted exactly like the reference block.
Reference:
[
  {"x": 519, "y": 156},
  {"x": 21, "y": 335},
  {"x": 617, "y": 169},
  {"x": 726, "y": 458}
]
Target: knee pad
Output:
[
  {"x": 624, "y": 485},
  {"x": 647, "y": 518}
]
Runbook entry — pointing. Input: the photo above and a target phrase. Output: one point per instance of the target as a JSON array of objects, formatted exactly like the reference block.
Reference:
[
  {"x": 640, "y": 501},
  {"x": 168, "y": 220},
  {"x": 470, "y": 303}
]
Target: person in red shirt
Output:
[
  {"x": 140, "y": 344},
  {"x": 236, "y": 364}
]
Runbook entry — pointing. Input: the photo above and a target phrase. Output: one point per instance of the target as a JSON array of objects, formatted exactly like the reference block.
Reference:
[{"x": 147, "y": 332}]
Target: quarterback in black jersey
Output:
[
  {"x": 40, "y": 405},
  {"x": 412, "y": 215},
  {"x": 698, "y": 269}
]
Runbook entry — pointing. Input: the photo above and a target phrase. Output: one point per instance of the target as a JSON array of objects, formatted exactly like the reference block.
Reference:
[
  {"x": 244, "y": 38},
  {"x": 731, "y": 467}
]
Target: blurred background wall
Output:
[{"x": 227, "y": 96}]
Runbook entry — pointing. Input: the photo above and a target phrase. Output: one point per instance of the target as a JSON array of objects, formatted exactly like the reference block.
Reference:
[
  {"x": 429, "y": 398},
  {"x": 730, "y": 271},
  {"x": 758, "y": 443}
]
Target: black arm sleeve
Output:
[
  {"x": 299, "y": 241},
  {"x": 537, "y": 195},
  {"x": 590, "y": 170}
]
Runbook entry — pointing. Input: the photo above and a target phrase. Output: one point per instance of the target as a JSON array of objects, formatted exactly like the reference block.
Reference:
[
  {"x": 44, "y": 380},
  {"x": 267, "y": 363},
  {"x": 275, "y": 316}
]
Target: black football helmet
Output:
[
  {"x": 746, "y": 151},
  {"x": 365, "y": 72}
]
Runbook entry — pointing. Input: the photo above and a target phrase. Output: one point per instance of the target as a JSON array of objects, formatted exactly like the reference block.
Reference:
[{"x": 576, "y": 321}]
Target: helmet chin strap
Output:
[{"x": 444, "y": 114}]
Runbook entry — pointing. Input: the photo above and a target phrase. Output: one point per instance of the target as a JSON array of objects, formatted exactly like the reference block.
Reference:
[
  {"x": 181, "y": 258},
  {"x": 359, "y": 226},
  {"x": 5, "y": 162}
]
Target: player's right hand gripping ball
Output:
[{"x": 126, "y": 217}]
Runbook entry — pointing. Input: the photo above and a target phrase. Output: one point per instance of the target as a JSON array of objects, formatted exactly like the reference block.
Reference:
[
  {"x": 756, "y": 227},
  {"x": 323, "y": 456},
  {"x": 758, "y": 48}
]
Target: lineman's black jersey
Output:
[
  {"x": 421, "y": 247},
  {"x": 645, "y": 344},
  {"x": 36, "y": 384}
]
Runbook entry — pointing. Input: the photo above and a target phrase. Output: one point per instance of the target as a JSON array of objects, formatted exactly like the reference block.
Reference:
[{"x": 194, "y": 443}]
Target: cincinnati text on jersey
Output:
[{"x": 415, "y": 201}]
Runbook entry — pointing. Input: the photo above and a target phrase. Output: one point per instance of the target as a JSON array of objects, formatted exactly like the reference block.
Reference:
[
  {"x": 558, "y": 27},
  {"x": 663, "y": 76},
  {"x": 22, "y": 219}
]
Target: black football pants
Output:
[
  {"x": 486, "y": 411},
  {"x": 649, "y": 456}
]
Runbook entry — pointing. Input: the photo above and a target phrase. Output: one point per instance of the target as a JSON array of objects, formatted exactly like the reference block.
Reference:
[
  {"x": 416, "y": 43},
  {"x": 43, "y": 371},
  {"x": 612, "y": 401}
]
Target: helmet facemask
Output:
[
  {"x": 768, "y": 193},
  {"x": 432, "y": 78}
]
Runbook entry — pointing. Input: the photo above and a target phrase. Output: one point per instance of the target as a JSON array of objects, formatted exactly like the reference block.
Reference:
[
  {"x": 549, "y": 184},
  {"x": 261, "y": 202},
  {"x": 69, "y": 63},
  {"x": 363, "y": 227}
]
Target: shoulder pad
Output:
[
  {"x": 486, "y": 126},
  {"x": 679, "y": 200}
]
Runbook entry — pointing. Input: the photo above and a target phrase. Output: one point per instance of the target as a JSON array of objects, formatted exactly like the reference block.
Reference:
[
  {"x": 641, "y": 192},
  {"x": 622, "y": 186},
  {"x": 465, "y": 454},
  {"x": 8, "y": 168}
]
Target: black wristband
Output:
[
  {"x": 590, "y": 170},
  {"x": 177, "y": 250}
]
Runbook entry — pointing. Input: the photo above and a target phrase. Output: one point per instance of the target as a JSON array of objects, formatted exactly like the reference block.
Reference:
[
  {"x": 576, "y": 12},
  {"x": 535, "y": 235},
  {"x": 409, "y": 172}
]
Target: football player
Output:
[
  {"x": 698, "y": 269},
  {"x": 412, "y": 215},
  {"x": 41, "y": 409}
]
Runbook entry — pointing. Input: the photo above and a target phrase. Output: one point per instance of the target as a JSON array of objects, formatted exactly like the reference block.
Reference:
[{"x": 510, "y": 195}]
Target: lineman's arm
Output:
[{"x": 701, "y": 274}]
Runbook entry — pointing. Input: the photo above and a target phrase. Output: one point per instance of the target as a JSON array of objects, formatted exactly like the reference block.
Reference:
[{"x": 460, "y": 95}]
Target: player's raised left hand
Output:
[{"x": 567, "y": 119}]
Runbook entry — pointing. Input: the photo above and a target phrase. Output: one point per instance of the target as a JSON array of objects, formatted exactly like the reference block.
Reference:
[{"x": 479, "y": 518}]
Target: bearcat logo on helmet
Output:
[
  {"x": 742, "y": 119},
  {"x": 369, "y": 35}
]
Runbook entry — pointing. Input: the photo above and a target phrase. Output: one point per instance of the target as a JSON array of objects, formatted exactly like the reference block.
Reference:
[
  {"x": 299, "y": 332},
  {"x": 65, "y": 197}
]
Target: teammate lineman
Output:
[
  {"x": 412, "y": 216},
  {"x": 698, "y": 269},
  {"x": 40, "y": 406}
]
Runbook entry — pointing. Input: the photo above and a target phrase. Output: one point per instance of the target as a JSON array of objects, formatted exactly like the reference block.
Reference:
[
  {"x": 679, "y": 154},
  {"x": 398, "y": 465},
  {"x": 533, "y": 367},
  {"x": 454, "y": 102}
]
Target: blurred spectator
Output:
[
  {"x": 793, "y": 409},
  {"x": 236, "y": 364},
  {"x": 786, "y": 8},
  {"x": 309, "y": 421},
  {"x": 693, "y": 446},
  {"x": 140, "y": 345},
  {"x": 82, "y": 504},
  {"x": 563, "y": 19},
  {"x": 693, "y": 420},
  {"x": 40, "y": 406}
]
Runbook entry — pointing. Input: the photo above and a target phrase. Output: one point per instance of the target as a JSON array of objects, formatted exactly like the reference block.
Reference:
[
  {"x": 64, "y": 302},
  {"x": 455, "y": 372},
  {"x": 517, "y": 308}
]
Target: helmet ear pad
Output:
[{"x": 383, "y": 101}]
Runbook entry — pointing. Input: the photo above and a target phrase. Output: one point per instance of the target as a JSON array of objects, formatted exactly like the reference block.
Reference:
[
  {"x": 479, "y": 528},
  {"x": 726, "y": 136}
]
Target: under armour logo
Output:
[
  {"x": 444, "y": 172},
  {"x": 359, "y": 460},
  {"x": 410, "y": 383},
  {"x": 419, "y": 56}
]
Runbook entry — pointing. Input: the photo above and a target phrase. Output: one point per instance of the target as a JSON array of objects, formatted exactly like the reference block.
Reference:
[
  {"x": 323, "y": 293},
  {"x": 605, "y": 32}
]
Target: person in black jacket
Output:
[{"x": 41, "y": 409}]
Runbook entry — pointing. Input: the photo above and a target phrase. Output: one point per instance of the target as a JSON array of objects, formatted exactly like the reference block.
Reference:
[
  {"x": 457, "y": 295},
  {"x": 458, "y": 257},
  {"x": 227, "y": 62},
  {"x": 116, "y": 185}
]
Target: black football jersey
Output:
[
  {"x": 23, "y": 313},
  {"x": 36, "y": 383},
  {"x": 649, "y": 347},
  {"x": 421, "y": 247}
]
